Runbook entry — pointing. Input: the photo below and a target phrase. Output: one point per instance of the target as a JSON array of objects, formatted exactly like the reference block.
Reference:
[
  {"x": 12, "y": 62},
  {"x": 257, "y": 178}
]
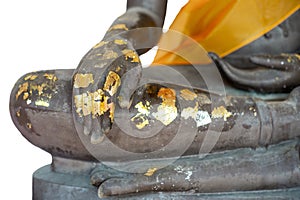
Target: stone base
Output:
[{"x": 50, "y": 185}]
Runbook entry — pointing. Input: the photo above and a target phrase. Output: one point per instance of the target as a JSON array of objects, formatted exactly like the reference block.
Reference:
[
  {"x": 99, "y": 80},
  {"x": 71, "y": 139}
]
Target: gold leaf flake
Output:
[
  {"x": 143, "y": 109},
  {"x": 25, "y": 95},
  {"x": 94, "y": 103},
  {"x": 188, "y": 94},
  {"x": 142, "y": 124},
  {"x": 41, "y": 103},
  {"x": 112, "y": 83},
  {"x": 118, "y": 27},
  {"x": 151, "y": 171},
  {"x": 120, "y": 42},
  {"x": 83, "y": 80},
  {"x": 30, "y": 77},
  {"x": 141, "y": 116},
  {"x": 167, "y": 111},
  {"x": 29, "y": 125},
  {"x": 50, "y": 77},
  {"x": 221, "y": 112},
  {"x": 118, "y": 68},
  {"x": 190, "y": 112},
  {"x": 22, "y": 88},
  {"x": 131, "y": 54},
  {"x": 168, "y": 96},
  {"x": 100, "y": 44}
]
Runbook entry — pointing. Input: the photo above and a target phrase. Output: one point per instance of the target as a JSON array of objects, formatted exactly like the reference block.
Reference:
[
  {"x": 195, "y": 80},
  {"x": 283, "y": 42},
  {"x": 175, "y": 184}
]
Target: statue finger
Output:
[
  {"x": 130, "y": 81},
  {"x": 284, "y": 62},
  {"x": 261, "y": 80},
  {"x": 120, "y": 186},
  {"x": 103, "y": 173}
]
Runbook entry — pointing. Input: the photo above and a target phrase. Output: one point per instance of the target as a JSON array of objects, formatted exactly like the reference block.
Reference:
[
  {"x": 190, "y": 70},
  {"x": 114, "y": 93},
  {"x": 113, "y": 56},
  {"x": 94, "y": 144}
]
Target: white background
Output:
[{"x": 38, "y": 35}]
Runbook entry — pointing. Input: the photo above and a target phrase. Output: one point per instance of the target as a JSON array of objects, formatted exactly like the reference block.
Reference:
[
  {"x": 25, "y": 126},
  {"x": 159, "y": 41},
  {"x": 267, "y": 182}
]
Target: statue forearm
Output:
[
  {"x": 45, "y": 115},
  {"x": 157, "y": 8},
  {"x": 140, "y": 14}
]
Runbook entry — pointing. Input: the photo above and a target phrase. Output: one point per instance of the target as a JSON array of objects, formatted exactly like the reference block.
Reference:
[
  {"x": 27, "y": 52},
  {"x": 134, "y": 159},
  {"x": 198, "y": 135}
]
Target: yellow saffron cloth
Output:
[{"x": 220, "y": 26}]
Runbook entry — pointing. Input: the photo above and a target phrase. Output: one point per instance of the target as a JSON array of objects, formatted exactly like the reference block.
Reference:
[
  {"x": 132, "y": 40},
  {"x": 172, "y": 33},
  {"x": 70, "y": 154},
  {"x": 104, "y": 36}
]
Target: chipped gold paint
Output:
[
  {"x": 94, "y": 103},
  {"x": 151, "y": 171},
  {"x": 188, "y": 95},
  {"x": 83, "y": 80},
  {"x": 18, "y": 113},
  {"x": 143, "y": 109},
  {"x": 98, "y": 105},
  {"x": 221, "y": 112},
  {"x": 190, "y": 112},
  {"x": 25, "y": 95},
  {"x": 143, "y": 120},
  {"x": 30, "y": 86},
  {"x": 118, "y": 68},
  {"x": 142, "y": 115},
  {"x": 112, "y": 83},
  {"x": 50, "y": 77},
  {"x": 38, "y": 88},
  {"x": 109, "y": 54},
  {"x": 167, "y": 111},
  {"x": 168, "y": 96},
  {"x": 30, "y": 77},
  {"x": 111, "y": 111},
  {"x": 29, "y": 125},
  {"x": 120, "y": 42},
  {"x": 131, "y": 54},
  {"x": 100, "y": 44},
  {"x": 199, "y": 116},
  {"x": 41, "y": 103},
  {"x": 22, "y": 88},
  {"x": 42, "y": 98},
  {"x": 118, "y": 27},
  {"x": 142, "y": 124}
]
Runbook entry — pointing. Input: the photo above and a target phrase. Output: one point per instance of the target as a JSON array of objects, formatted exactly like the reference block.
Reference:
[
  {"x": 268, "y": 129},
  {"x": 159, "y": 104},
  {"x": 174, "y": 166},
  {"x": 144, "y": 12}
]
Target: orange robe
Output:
[{"x": 220, "y": 26}]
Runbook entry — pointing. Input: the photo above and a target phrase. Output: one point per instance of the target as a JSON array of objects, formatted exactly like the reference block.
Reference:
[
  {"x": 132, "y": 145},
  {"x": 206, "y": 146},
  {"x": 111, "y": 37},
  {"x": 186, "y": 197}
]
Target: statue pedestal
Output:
[{"x": 49, "y": 185}]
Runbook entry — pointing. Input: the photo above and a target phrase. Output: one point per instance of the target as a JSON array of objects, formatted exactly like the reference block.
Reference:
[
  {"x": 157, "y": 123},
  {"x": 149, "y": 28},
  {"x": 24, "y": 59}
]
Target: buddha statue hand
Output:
[
  {"x": 109, "y": 73},
  {"x": 106, "y": 75},
  {"x": 266, "y": 73}
]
